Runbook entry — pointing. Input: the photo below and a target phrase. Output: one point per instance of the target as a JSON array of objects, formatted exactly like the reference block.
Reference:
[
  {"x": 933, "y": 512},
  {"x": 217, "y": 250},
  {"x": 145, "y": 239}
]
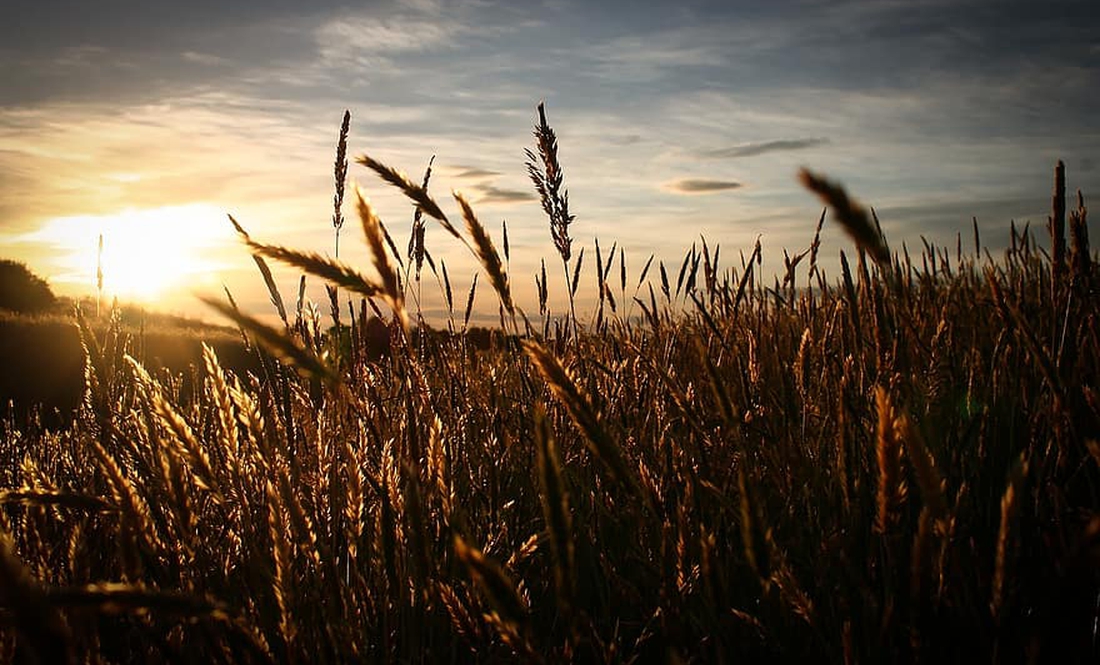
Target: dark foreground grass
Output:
[{"x": 898, "y": 466}]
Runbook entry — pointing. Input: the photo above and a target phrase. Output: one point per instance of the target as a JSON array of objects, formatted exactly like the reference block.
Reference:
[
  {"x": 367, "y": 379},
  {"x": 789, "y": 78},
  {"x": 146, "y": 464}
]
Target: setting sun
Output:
[
  {"x": 551, "y": 332},
  {"x": 146, "y": 253}
]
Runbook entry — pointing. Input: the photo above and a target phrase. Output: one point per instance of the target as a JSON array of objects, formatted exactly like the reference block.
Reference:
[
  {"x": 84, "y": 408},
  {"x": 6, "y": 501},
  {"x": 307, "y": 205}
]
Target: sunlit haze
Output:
[
  {"x": 148, "y": 122},
  {"x": 148, "y": 254}
]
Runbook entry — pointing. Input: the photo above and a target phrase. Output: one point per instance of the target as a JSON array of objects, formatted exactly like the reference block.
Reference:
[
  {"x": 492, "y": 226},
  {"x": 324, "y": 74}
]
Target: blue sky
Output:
[{"x": 675, "y": 120}]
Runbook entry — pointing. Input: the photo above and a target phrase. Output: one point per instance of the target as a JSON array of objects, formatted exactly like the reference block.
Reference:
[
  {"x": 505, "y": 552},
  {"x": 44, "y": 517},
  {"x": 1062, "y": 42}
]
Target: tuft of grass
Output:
[{"x": 581, "y": 412}]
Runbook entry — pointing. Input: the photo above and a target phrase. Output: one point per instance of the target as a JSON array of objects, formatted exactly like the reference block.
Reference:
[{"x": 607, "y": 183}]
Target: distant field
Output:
[{"x": 44, "y": 363}]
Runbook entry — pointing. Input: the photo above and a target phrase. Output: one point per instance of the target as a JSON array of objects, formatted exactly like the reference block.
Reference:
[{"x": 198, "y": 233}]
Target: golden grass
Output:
[{"x": 719, "y": 474}]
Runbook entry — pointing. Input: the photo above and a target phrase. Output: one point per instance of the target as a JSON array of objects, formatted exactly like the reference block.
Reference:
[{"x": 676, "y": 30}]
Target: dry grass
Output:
[{"x": 720, "y": 478}]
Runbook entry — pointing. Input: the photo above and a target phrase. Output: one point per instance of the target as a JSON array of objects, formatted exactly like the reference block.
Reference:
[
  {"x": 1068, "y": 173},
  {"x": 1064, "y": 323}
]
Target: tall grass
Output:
[{"x": 723, "y": 478}]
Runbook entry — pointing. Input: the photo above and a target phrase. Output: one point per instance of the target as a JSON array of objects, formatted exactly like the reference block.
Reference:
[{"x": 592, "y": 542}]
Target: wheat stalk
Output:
[
  {"x": 340, "y": 176},
  {"x": 852, "y": 216},
  {"x": 583, "y": 415},
  {"x": 555, "y": 508},
  {"x": 373, "y": 234},
  {"x": 1010, "y": 507},
  {"x": 58, "y": 498},
  {"x": 416, "y": 193},
  {"x": 487, "y": 253},
  {"x": 891, "y": 487},
  {"x": 278, "y": 342},
  {"x": 494, "y": 583},
  {"x": 924, "y": 466}
]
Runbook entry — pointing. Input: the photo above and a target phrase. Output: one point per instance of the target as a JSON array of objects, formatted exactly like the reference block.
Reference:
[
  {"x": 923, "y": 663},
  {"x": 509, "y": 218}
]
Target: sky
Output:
[{"x": 148, "y": 122}]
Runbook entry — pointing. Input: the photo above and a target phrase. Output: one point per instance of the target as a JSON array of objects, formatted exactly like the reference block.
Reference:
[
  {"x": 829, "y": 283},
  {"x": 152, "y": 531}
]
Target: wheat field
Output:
[{"x": 898, "y": 465}]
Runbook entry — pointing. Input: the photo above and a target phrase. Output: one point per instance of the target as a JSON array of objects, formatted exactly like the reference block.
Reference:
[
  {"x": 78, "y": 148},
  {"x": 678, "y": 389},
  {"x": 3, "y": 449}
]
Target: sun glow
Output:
[{"x": 147, "y": 253}]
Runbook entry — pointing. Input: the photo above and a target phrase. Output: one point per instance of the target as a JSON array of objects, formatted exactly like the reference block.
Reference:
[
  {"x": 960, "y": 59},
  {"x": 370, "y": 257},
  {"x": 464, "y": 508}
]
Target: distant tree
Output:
[{"x": 23, "y": 291}]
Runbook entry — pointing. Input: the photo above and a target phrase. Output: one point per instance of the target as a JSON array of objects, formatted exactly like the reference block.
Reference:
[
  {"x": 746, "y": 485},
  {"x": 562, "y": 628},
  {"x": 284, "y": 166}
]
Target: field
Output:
[
  {"x": 43, "y": 360},
  {"x": 898, "y": 465}
]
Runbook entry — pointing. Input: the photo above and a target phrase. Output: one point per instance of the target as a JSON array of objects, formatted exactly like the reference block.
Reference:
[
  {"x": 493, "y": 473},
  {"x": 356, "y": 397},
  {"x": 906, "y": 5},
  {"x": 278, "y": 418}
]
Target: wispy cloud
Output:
[
  {"x": 369, "y": 37},
  {"x": 80, "y": 56},
  {"x": 754, "y": 149},
  {"x": 473, "y": 172},
  {"x": 347, "y": 38},
  {"x": 492, "y": 194},
  {"x": 701, "y": 186},
  {"x": 625, "y": 139},
  {"x": 207, "y": 59},
  {"x": 652, "y": 55}
]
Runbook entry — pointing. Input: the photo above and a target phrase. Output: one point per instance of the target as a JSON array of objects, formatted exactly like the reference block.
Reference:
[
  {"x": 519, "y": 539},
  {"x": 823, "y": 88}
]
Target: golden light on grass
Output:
[
  {"x": 603, "y": 491},
  {"x": 146, "y": 252}
]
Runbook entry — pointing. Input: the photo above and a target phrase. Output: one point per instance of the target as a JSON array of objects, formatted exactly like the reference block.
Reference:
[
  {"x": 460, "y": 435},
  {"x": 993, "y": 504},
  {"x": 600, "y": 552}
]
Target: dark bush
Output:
[{"x": 23, "y": 291}]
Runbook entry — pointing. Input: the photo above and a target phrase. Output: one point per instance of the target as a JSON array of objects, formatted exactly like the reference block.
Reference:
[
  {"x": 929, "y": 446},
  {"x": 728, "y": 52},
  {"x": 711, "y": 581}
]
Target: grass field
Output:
[
  {"x": 43, "y": 360},
  {"x": 899, "y": 465}
]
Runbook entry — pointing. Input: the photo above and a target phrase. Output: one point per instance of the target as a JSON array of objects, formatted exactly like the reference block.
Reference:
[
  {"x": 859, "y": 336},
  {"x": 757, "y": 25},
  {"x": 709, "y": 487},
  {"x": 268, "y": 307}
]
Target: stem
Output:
[{"x": 569, "y": 291}]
